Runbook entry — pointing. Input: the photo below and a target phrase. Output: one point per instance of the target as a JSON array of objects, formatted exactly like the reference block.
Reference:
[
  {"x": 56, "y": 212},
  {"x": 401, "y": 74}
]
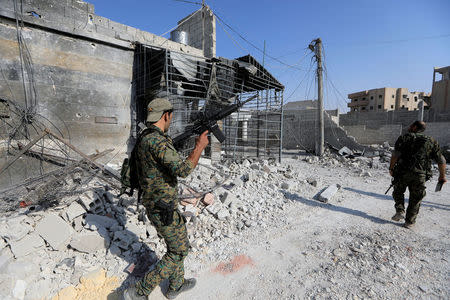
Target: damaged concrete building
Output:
[{"x": 88, "y": 79}]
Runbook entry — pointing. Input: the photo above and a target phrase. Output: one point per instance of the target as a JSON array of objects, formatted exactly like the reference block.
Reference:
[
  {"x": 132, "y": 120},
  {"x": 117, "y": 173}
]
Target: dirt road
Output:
[{"x": 346, "y": 249}]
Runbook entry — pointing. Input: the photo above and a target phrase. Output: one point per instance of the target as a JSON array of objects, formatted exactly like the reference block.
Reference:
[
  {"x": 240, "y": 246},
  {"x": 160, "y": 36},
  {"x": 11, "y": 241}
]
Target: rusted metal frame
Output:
[
  {"x": 100, "y": 166},
  {"x": 27, "y": 147},
  {"x": 64, "y": 170}
]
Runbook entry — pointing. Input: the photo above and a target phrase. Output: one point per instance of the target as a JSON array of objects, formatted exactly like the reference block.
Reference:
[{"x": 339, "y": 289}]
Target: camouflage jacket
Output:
[
  {"x": 416, "y": 152},
  {"x": 158, "y": 166}
]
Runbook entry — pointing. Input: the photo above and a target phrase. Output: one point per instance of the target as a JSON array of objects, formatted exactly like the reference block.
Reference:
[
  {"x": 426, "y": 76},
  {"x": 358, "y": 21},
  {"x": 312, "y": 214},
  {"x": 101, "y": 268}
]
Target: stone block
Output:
[
  {"x": 54, "y": 231},
  {"x": 208, "y": 199},
  {"x": 222, "y": 214},
  {"x": 27, "y": 245},
  {"x": 151, "y": 231},
  {"x": 190, "y": 211},
  {"x": 89, "y": 243},
  {"x": 102, "y": 221},
  {"x": 74, "y": 210},
  {"x": 328, "y": 193},
  {"x": 15, "y": 228},
  {"x": 91, "y": 202},
  {"x": 114, "y": 249}
]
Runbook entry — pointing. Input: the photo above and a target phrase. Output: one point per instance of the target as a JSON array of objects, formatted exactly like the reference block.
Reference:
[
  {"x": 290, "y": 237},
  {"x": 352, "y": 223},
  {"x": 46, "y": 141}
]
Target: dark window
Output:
[
  {"x": 380, "y": 96},
  {"x": 415, "y": 98},
  {"x": 393, "y": 96},
  {"x": 407, "y": 99},
  {"x": 363, "y": 108},
  {"x": 371, "y": 97},
  {"x": 355, "y": 109},
  {"x": 364, "y": 98},
  {"x": 379, "y": 106},
  {"x": 371, "y": 108},
  {"x": 404, "y": 96},
  {"x": 392, "y": 106},
  {"x": 356, "y": 100},
  {"x": 403, "y": 106}
]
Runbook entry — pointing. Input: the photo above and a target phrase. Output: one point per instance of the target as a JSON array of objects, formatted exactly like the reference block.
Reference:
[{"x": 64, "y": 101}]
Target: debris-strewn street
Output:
[{"x": 267, "y": 235}]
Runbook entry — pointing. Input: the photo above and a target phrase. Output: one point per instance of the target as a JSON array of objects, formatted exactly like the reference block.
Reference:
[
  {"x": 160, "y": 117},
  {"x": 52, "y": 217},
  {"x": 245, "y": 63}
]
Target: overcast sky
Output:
[{"x": 368, "y": 44}]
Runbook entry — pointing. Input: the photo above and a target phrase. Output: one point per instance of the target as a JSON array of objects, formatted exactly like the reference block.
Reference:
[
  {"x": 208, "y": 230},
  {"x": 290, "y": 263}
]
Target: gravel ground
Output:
[{"x": 345, "y": 249}]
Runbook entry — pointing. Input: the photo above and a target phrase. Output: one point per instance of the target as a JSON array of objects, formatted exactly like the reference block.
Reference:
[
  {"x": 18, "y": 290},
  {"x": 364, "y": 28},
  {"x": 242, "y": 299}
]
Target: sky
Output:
[{"x": 367, "y": 43}]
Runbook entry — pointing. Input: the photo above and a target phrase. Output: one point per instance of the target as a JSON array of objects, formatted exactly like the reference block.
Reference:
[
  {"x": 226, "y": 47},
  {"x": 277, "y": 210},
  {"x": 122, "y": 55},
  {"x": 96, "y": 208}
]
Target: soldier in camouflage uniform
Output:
[
  {"x": 411, "y": 167},
  {"x": 159, "y": 165}
]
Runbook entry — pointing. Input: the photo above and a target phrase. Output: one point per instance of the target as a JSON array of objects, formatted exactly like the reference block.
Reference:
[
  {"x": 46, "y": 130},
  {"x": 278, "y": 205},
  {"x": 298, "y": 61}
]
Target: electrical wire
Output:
[{"x": 252, "y": 44}]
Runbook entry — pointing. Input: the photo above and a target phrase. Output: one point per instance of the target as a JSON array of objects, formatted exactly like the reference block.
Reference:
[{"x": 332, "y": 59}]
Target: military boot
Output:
[
  {"x": 187, "y": 285},
  {"x": 408, "y": 225},
  {"x": 398, "y": 216},
  {"x": 131, "y": 294}
]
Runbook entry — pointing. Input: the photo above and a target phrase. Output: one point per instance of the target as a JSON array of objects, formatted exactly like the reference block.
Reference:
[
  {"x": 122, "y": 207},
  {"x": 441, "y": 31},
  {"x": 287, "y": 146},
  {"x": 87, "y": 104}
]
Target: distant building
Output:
[
  {"x": 385, "y": 99},
  {"x": 440, "y": 94},
  {"x": 301, "y": 105}
]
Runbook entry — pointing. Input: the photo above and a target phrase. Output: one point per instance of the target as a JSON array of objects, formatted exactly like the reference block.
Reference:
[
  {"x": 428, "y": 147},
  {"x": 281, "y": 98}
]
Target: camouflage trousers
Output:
[
  {"x": 415, "y": 182},
  {"x": 171, "y": 265}
]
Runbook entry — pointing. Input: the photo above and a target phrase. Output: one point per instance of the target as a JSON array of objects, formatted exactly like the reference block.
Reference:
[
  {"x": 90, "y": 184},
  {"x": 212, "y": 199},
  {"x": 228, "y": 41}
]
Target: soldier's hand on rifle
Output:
[{"x": 202, "y": 140}]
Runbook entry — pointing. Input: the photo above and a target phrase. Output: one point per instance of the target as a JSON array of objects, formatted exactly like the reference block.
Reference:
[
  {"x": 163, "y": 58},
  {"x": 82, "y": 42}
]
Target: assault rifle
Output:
[{"x": 208, "y": 121}]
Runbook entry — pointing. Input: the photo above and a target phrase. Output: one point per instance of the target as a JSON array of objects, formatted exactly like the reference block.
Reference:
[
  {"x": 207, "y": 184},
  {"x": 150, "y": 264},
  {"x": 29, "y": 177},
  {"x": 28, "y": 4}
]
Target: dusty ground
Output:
[{"x": 346, "y": 249}]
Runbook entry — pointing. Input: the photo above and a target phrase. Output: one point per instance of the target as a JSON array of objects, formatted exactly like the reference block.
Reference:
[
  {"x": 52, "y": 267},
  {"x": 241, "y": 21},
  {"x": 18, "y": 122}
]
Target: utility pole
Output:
[{"x": 316, "y": 47}]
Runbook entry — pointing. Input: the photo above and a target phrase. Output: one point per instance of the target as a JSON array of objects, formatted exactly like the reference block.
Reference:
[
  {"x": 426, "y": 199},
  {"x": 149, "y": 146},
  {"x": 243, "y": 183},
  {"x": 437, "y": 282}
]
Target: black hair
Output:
[{"x": 420, "y": 125}]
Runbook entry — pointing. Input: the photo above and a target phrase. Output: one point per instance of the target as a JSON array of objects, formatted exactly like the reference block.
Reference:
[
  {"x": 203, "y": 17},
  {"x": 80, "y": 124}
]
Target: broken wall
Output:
[
  {"x": 82, "y": 65},
  {"x": 300, "y": 131}
]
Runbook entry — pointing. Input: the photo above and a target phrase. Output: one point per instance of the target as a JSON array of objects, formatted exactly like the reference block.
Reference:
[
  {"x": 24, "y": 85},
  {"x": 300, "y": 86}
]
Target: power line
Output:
[{"x": 252, "y": 44}]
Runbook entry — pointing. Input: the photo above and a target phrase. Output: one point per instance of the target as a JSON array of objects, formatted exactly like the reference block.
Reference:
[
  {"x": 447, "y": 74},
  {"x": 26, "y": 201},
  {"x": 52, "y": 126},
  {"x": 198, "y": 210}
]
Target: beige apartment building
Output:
[
  {"x": 440, "y": 96},
  {"x": 385, "y": 99}
]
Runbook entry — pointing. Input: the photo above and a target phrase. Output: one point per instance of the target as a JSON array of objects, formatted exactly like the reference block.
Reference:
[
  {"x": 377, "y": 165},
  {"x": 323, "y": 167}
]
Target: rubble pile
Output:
[{"x": 45, "y": 249}]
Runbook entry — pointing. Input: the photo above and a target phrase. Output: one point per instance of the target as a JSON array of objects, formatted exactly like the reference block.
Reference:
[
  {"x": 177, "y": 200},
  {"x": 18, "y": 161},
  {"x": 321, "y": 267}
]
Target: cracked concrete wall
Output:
[{"x": 82, "y": 66}]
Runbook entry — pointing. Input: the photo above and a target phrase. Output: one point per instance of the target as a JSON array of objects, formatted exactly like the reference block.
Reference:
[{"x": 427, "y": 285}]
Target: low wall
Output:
[
  {"x": 367, "y": 136},
  {"x": 389, "y": 133}
]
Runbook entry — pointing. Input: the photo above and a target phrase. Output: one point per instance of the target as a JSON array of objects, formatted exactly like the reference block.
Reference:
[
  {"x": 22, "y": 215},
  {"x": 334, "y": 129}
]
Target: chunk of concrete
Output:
[
  {"x": 74, "y": 210},
  {"x": 328, "y": 193},
  {"x": 54, "y": 231},
  {"x": 103, "y": 221},
  {"x": 208, "y": 199},
  {"x": 222, "y": 214},
  {"x": 27, "y": 245},
  {"x": 124, "y": 239},
  {"x": 92, "y": 202},
  {"x": 89, "y": 243},
  {"x": 190, "y": 211},
  {"x": 345, "y": 151}
]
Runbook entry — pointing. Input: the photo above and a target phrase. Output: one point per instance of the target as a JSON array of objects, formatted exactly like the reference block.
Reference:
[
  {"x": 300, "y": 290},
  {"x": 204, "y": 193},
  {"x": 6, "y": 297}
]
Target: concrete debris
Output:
[
  {"x": 74, "y": 210},
  {"x": 54, "y": 231},
  {"x": 89, "y": 243},
  {"x": 29, "y": 244},
  {"x": 328, "y": 193},
  {"x": 252, "y": 198},
  {"x": 102, "y": 221},
  {"x": 345, "y": 151}
]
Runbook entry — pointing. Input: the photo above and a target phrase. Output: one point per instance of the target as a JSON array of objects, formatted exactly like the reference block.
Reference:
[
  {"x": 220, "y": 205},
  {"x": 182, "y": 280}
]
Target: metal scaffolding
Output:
[{"x": 194, "y": 84}]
